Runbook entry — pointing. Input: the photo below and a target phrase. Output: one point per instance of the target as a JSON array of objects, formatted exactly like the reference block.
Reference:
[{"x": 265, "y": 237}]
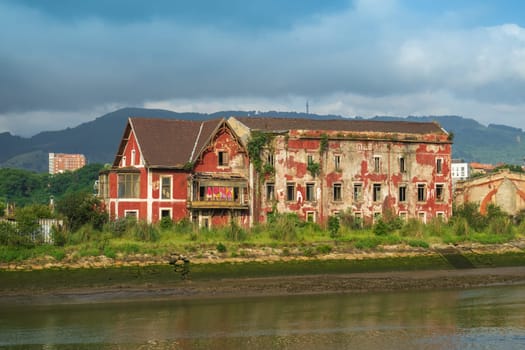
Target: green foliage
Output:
[
  {"x": 166, "y": 223},
  {"x": 143, "y": 231},
  {"x": 234, "y": 232},
  {"x": 314, "y": 168},
  {"x": 59, "y": 236},
  {"x": 333, "y": 226},
  {"x": 417, "y": 243},
  {"x": 258, "y": 141},
  {"x": 27, "y": 220},
  {"x": 23, "y": 187},
  {"x": 413, "y": 227},
  {"x": 323, "y": 147},
  {"x": 511, "y": 167},
  {"x": 324, "y": 249},
  {"x": 381, "y": 228},
  {"x": 80, "y": 208},
  {"x": 221, "y": 248},
  {"x": 470, "y": 212},
  {"x": 500, "y": 226},
  {"x": 284, "y": 227}
]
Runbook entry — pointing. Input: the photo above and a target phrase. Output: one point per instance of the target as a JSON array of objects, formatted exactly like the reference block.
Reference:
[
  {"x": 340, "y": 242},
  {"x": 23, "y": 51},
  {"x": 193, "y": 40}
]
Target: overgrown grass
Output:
[{"x": 284, "y": 232}]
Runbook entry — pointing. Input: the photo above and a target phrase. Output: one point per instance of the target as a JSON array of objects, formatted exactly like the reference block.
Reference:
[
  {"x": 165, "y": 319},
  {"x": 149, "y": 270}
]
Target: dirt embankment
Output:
[{"x": 264, "y": 254}]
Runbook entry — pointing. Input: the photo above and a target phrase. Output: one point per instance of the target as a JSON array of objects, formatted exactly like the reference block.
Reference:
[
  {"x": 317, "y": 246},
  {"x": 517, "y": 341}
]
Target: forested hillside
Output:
[{"x": 98, "y": 140}]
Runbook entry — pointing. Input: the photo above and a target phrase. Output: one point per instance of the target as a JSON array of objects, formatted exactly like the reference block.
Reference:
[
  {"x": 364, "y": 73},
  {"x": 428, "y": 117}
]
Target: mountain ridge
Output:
[{"x": 98, "y": 139}]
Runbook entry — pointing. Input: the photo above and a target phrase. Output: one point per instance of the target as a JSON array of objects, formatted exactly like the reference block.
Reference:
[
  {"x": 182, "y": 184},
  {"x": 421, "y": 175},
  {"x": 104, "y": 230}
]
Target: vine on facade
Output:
[{"x": 258, "y": 142}]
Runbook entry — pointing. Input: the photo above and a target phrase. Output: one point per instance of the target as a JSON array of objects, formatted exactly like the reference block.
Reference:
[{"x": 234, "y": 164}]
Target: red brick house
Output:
[{"x": 200, "y": 170}]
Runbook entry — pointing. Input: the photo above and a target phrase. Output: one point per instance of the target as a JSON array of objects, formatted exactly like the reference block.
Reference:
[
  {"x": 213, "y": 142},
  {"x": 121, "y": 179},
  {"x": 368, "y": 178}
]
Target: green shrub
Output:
[
  {"x": 412, "y": 228},
  {"x": 146, "y": 232},
  {"x": 324, "y": 249},
  {"x": 333, "y": 226},
  {"x": 381, "y": 228},
  {"x": 500, "y": 226},
  {"x": 59, "y": 236},
  {"x": 284, "y": 228},
  {"x": 221, "y": 248},
  {"x": 367, "y": 243},
  {"x": 460, "y": 226},
  {"x": 234, "y": 232},
  {"x": 417, "y": 243},
  {"x": 166, "y": 223}
]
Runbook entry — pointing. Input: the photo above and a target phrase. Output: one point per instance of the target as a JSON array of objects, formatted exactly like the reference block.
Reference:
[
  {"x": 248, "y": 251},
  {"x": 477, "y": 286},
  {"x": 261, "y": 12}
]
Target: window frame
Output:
[
  {"x": 270, "y": 191},
  {"x": 376, "y": 192},
  {"x": 290, "y": 196},
  {"x": 169, "y": 186},
  {"x": 421, "y": 192},
  {"x": 223, "y": 158},
  {"x": 441, "y": 196},
  {"x": 377, "y": 164},
  {"x": 439, "y": 165},
  {"x": 310, "y": 192},
  {"x": 131, "y": 185},
  {"x": 357, "y": 196},
  {"x": 337, "y": 192},
  {"x": 402, "y": 193}
]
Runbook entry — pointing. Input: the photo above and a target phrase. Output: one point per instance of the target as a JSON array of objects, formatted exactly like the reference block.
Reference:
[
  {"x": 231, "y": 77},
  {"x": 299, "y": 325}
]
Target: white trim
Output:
[
  {"x": 149, "y": 196},
  {"x": 137, "y": 211},
  {"x": 313, "y": 215},
  {"x": 196, "y": 142},
  {"x": 168, "y": 209}
]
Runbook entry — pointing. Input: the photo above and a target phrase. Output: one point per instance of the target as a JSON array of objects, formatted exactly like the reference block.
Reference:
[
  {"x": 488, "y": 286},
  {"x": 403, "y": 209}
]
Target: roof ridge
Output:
[{"x": 196, "y": 142}]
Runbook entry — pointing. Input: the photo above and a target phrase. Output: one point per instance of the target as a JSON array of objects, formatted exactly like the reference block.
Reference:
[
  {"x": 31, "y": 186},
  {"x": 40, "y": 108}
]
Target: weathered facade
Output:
[
  {"x": 202, "y": 171},
  {"x": 504, "y": 189}
]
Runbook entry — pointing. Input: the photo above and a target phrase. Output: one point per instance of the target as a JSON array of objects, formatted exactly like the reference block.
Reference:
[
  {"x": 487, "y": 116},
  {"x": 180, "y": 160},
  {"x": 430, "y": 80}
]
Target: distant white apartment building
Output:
[
  {"x": 460, "y": 170},
  {"x": 60, "y": 162}
]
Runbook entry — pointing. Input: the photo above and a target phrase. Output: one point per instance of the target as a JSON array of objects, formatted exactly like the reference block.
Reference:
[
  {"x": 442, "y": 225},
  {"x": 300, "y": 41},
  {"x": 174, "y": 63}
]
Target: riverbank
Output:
[
  {"x": 352, "y": 283},
  {"x": 264, "y": 272}
]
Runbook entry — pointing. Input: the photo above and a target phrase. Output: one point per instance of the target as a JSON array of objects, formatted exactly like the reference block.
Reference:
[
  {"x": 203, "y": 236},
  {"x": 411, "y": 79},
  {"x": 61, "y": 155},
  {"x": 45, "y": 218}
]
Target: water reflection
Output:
[{"x": 489, "y": 318}]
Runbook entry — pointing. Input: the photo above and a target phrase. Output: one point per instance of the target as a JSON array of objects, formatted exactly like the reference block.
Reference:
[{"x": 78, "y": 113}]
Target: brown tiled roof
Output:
[
  {"x": 170, "y": 142},
  {"x": 357, "y": 125}
]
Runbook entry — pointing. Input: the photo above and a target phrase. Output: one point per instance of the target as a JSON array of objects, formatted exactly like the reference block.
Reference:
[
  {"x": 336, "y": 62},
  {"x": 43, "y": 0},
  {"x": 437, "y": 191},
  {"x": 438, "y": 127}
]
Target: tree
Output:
[{"x": 80, "y": 208}]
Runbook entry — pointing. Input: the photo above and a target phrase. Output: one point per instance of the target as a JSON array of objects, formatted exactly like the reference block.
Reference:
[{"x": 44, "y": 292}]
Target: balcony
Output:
[{"x": 212, "y": 192}]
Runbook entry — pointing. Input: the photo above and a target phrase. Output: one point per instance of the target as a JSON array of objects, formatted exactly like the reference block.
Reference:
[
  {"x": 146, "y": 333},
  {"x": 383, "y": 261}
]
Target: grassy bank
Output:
[{"x": 164, "y": 275}]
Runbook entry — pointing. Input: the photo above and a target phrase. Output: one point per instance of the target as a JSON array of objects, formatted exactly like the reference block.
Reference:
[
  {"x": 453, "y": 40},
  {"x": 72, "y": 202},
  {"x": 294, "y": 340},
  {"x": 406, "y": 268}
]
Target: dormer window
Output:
[
  {"x": 123, "y": 161},
  {"x": 132, "y": 157}
]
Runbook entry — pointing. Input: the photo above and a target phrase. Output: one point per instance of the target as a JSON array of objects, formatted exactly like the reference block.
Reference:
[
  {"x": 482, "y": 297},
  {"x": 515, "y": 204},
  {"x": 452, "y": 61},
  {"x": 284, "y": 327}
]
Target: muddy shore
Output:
[{"x": 274, "y": 286}]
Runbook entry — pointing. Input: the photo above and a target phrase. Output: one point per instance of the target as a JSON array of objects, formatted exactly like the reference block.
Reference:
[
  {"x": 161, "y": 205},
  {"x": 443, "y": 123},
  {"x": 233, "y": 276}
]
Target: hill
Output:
[{"x": 98, "y": 139}]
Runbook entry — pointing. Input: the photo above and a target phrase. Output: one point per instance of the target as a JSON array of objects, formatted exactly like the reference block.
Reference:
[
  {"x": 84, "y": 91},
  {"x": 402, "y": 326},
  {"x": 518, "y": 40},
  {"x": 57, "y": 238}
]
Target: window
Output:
[
  {"x": 310, "y": 216},
  {"x": 403, "y": 215},
  {"x": 223, "y": 158},
  {"x": 422, "y": 216},
  {"x": 402, "y": 165},
  {"x": 337, "y": 189},
  {"x": 128, "y": 185},
  {"x": 132, "y": 157},
  {"x": 310, "y": 192},
  {"x": 377, "y": 164},
  {"x": 290, "y": 191},
  {"x": 103, "y": 188},
  {"x": 402, "y": 193},
  {"x": 165, "y": 186},
  {"x": 358, "y": 192},
  {"x": 310, "y": 159},
  {"x": 440, "y": 216},
  {"x": 440, "y": 193},
  {"x": 421, "y": 192},
  {"x": 131, "y": 214},
  {"x": 439, "y": 166},
  {"x": 376, "y": 192},
  {"x": 377, "y": 216},
  {"x": 123, "y": 161},
  {"x": 165, "y": 213},
  {"x": 337, "y": 162},
  {"x": 269, "y": 159},
  {"x": 270, "y": 191}
]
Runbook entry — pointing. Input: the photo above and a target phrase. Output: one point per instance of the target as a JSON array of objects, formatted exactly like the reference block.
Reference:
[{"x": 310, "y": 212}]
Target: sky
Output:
[{"x": 66, "y": 62}]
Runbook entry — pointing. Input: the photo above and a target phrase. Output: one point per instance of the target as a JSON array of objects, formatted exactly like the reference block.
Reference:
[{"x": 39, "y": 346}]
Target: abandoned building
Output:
[
  {"x": 504, "y": 188},
  {"x": 246, "y": 169}
]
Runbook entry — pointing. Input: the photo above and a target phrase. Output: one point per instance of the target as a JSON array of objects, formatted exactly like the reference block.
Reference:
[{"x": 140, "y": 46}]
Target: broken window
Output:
[
  {"x": 421, "y": 192},
  {"x": 290, "y": 191},
  {"x": 376, "y": 192},
  {"x": 440, "y": 193},
  {"x": 402, "y": 165},
  {"x": 402, "y": 193},
  {"x": 223, "y": 158},
  {"x": 165, "y": 184},
  {"x": 358, "y": 192},
  {"x": 337, "y": 192},
  {"x": 310, "y": 192},
  {"x": 270, "y": 191},
  {"x": 377, "y": 164},
  {"x": 439, "y": 166},
  {"x": 337, "y": 162}
]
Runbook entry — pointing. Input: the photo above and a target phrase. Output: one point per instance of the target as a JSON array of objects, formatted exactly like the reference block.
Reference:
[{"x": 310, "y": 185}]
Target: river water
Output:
[{"x": 485, "y": 318}]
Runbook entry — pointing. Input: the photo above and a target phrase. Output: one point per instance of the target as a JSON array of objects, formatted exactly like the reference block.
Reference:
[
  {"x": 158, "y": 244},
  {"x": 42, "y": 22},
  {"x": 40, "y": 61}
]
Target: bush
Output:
[
  {"x": 284, "y": 228},
  {"x": 333, "y": 226},
  {"x": 234, "y": 232},
  {"x": 500, "y": 226},
  {"x": 166, "y": 223},
  {"x": 143, "y": 231},
  {"x": 324, "y": 249},
  {"x": 460, "y": 226},
  {"x": 221, "y": 248},
  {"x": 381, "y": 228},
  {"x": 413, "y": 227},
  {"x": 58, "y": 236}
]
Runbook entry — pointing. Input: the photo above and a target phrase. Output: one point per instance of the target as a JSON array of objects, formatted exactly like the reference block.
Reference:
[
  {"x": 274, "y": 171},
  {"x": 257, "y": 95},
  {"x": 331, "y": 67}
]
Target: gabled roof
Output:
[
  {"x": 168, "y": 142},
  {"x": 356, "y": 125}
]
